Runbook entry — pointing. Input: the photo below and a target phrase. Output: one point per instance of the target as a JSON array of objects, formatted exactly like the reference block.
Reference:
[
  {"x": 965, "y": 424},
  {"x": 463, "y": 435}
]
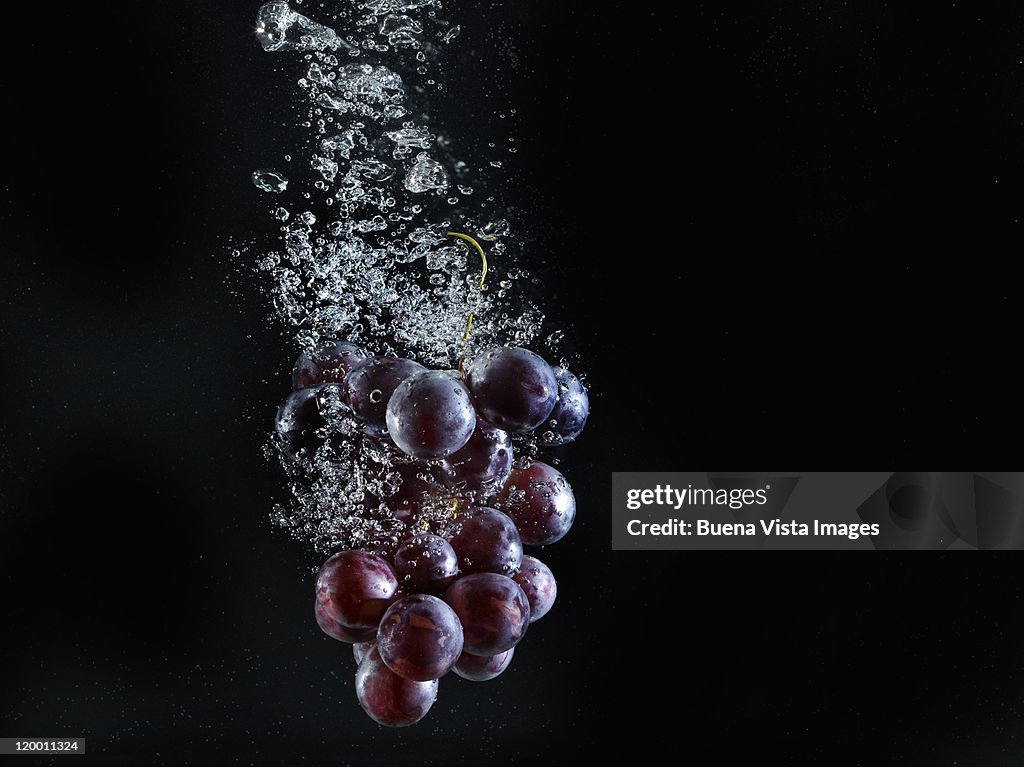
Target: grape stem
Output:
[{"x": 483, "y": 276}]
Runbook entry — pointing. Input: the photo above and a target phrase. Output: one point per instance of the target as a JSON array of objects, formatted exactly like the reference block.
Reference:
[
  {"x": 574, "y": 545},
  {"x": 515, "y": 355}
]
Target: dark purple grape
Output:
[
  {"x": 361, "y": 649},
  {"x": 493, "y": 610},
  {"x": 416, "y": 490},
  {"x": 388, "y": 698},
  {"x": 514, "y": 389},
  {"x": 571, "y": 410},
  {"x": 370, "y": 386},
  {"x": 487, "y": 542},
  {"x": 302, "y": 417},
  {"x": 337, "y": 631},
  {"x": 420, "y": 638},
  {"x": 415, "y": 495},
  {"x": 482, "y": 668},
  {"x": 328, "y": 364},
  {"x": 426, "y": 562},
  {"x": 540, "y": 502},
  {"x": 354, "y": 588},
  {"x": 482, "y": 464},
  {"x": 431, "y": 415},
  {"x": 538, "y": 583}
]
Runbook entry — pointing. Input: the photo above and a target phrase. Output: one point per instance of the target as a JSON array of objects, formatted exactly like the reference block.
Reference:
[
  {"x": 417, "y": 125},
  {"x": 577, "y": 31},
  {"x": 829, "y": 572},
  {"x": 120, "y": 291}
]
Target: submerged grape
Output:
[
  {"x": 427, "y": 563},
  {"x": 493, "y": 610},
  {"x": 481, "y": 466},
  {"x": 538, "y": 583},
  {"x": 431, "y": 415},
  {"x": 538, "y": 498},
  {"x": 388, "y": 698},
  {"x": 572, "y": 407},
  {"x": 302, "y": 419},
  {"x": 361, "y": 649},
  {"x": 328, "y": 364},
  {"x": 482, "y": 668},
  {"x": 487, "y": 541},
  {"x": 514, "y": 389},
  {"x": 354, "y": 588},
  {"x": 420, "y": 638},
  {"x": 370, "y": 385}
]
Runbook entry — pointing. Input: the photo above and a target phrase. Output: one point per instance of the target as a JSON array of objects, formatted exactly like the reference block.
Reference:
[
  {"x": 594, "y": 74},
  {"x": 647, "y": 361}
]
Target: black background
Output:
[{"x": 777, "y": 233}]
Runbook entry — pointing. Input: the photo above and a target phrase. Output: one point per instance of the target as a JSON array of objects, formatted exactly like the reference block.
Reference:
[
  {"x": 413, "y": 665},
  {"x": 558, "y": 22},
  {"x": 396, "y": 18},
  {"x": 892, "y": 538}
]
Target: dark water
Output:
[{"x": 828, "y": 262}]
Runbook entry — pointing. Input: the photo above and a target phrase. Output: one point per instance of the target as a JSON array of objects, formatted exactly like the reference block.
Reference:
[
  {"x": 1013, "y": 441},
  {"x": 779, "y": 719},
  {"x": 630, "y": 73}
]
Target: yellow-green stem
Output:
[{"x": 483, "y": 276}]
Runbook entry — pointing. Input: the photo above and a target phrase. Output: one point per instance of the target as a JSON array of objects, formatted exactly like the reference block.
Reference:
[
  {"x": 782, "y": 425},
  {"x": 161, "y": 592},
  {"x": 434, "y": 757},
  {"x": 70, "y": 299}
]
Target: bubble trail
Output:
[{"x": 364, "y": 204}]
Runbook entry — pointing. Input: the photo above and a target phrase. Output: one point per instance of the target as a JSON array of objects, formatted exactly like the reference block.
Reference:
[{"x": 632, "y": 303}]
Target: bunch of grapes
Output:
[{"x": 450, "y": 588}]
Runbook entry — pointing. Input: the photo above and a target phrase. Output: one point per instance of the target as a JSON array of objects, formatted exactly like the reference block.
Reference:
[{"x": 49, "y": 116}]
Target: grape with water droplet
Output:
[{"x": 371, "y": 384}]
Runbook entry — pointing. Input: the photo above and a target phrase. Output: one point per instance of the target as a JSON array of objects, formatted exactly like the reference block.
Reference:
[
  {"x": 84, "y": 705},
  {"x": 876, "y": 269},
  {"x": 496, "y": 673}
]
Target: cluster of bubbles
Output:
[{"x": 365, "y": 202}]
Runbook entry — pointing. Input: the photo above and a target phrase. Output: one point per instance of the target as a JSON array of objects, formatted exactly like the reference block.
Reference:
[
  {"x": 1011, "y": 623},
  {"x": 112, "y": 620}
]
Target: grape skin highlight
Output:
[{"x": 431, "y": 415}]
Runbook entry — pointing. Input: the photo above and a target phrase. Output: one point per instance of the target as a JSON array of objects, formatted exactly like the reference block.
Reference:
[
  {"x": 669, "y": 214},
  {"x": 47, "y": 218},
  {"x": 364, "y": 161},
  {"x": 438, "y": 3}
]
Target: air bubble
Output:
[
  {"x": 378, "y": 268},
  {"x": 269, "y": 181}
]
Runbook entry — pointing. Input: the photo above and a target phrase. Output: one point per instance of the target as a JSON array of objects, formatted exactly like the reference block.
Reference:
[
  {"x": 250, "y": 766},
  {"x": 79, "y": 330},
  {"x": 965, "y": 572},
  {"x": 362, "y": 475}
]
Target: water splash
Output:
[
  {"x": 426, "y": 175},
  {"x": 362, "y": 253},
  {"x": 279, "y": 28},
  {"x": 269, "y": 181}
]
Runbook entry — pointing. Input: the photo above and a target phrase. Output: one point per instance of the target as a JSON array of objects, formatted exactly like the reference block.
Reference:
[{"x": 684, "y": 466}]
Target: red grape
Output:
[
  {"x": 538, "y": 583},
  {"x": 482, "y": 464},
  {"x": 514, "y": 389},
  {"x": 328, "y": 364},
  {"x": 571, "y": 410},
  {"x": 354, "y": 588},
  {"x": 413, "y": 496},
  {"x": 426, "y": 562},
  {"x": 482, "y": 668},
  {"x": 388, "y": 698},
  {"x": 335, "y": 630},
  {"x": 431, "y": 414},
  {"x": 541, "y": 503},
  {"x": 302, "y": 417},
  {"x": 493, "y": 610},
  {"x": 411, "y": 493},
  {"x": 361, "y": 649},
  {"x": 420, "y": 638},
  {"x": 370, "y": 385},
  {"x": 487, "y": 542}
]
